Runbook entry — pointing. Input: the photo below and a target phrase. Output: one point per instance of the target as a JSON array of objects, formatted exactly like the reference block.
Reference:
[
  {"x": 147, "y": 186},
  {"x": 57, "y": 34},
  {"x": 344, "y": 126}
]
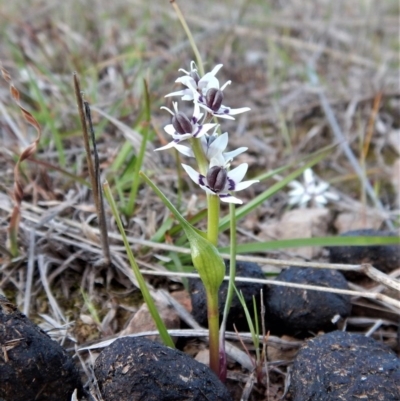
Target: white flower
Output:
[
  {"x": 212, "y": 102},
  {"x": 194, "y": 83},
  {"x": 183, "y": 128},
  {"x": 212, "y": 146},
  {"x": 219, "y": 181},
  {"x": 206, "y": 92},
  {"x": 313, "y": 190}
]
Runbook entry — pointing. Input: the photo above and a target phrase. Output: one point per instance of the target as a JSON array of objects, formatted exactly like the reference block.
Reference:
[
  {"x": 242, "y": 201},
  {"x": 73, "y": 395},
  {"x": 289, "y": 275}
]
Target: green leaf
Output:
[
  {"x": 205, "y": 256},
  {"x": 255, "y": 247},
  {"x": 139, "y": 277}
]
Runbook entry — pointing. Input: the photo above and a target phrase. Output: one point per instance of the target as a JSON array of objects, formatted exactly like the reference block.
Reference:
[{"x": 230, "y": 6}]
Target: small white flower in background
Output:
[
  {"x": 183, "y": 128},
  {"x": 219, "y": 181},
  {"x": 312, "y": 190}
]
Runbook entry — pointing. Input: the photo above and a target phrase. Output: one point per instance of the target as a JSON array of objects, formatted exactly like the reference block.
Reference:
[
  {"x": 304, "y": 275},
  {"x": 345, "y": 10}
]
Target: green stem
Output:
[
  {"x": 212, "y": 200},
  {"x": 213, "y": 330},
  {"x": 190, "y": 36},
  {"x": 213, "y": 219},
  {"x": 200, "y": 156},
  {"x": 231, "y": 284},
  {"x": 232, "y": 266}
]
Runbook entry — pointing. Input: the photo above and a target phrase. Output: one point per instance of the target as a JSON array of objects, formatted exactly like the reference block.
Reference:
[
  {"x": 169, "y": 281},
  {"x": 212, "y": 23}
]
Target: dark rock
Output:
[
  {"x": 296, "y": 311},
  {"x": 140, "y": 369},
  {"x": 345, "y": 366},
  {"x": 32, "y": 365},
  {"x": 384, "y": 257},
  {"x": 236, "y": 314}
]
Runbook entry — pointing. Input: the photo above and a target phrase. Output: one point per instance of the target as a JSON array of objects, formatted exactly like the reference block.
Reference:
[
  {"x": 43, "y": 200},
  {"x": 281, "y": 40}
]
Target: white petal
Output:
[
  {"x": 244, "y": 184},
  {"x": 299, "y": 191},
  {"x": 220, "y": 115},
  {"x": 308, "y": 176},
  {"x": 216, "y": 69},
  {"x": 204, "y": 129},
  {"x": 238, "y": 173},
  {"x": 167, "y": 146},
  {"x": 232, "y": 112},
  {"x": 193, "y": 174},
  {"x": 234, "y": 153},
  {"x": 181, "y": 137},
  {"x": 321, "y": 187},
  {"x": 304, "y": 199},
  {"x": 230, "y": 199},
  {"x": 196, "y": 111},
  {"x": 320, "y": 199},
  {"x": 219, "y": 144},
  {"x": 183, "y": 92},
  {"x": 218, "y": 160},
  {"x": 186, "y": 80},
  {"x": 296, "y": 185},
  {"x": 185, "y": 150},
  {"x": 207, "y": 82},
  {"x": 169, "y": 129}
]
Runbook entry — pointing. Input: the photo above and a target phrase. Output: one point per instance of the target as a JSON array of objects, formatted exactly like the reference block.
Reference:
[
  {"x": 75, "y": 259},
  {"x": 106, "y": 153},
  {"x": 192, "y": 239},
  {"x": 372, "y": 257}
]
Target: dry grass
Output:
[{"x": 266, "y": 49}]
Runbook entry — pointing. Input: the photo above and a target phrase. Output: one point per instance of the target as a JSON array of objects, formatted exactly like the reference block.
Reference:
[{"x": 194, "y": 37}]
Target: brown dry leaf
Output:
[
  {"x": 142, "y": 320},
  {"x": 283, "y": 354},
  {"x": 358, "y": 219},
  {"x": 203, "y": 356},
  {"x": 183, "y": 298},
  {"x": 300, "y": 223}
]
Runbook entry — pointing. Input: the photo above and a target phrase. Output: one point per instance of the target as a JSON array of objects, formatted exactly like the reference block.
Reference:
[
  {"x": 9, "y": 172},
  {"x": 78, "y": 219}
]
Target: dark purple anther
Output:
[
  {"x": 214, "y": 98},
  {"x": 216, "y": 178},
  {"x": 181, "y": 123}
]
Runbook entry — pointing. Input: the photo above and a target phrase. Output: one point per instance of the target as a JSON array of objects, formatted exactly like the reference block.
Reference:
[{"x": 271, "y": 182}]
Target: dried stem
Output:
[
  {"x": 29, "y": 151},
  {"x": 94, "y": 170}
]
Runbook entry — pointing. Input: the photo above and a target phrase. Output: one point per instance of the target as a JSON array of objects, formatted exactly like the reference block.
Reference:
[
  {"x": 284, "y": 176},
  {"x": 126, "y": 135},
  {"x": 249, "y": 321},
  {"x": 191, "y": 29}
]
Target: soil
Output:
[
  {"x": 345, "y": 366},
  {"x": 32, "y": 365},
  {"x": 143, "y": 370},
  {"x": 300, "y": 312}
]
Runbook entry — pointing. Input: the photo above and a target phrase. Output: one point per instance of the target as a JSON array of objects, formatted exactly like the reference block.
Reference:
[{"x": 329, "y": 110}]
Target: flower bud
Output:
[
  {"x": 181, "y": 123},
  {"x": 195, "y": 76},
  {"x": 214, "y": 98},
  {"x": 216, "y": 178}
]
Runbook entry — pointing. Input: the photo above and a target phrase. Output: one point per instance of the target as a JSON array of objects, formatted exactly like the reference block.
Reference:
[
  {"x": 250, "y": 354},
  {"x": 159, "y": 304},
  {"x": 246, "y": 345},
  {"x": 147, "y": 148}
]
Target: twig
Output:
[
  {"x": 84, "y": 114},
  {"x": 99, "y": 193},
  {"x": 29, "y": 274}
]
